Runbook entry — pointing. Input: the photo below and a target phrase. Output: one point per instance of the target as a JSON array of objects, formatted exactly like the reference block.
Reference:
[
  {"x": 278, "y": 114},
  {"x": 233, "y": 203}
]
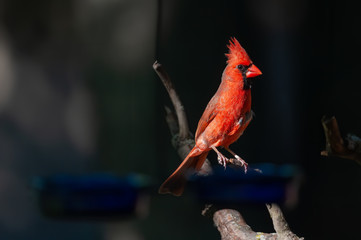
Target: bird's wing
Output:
[
  {"x": 243, "y": 121},
  {"x": 208, "y": 115}
]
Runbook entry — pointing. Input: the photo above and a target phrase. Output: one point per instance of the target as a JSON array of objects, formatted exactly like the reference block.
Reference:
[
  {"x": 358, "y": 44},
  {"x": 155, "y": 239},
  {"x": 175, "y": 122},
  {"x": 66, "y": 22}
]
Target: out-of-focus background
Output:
[{"x": 78, "y": 96}]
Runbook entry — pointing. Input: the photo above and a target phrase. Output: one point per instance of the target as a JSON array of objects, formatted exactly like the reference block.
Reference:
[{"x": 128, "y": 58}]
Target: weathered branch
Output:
[
  {"x": 280, "y": 224},
  {"x": 231, "y": 226},
  {"x": 335, "y": 144},
  {"x": 229, "y": 222},
  {"x": 182, "y": 138},
  {"x": 178, "y": 106}
]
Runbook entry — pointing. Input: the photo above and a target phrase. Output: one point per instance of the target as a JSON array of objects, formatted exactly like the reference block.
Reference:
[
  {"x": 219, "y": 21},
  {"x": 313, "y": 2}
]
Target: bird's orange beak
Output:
[{"x": 253, "y": 71}]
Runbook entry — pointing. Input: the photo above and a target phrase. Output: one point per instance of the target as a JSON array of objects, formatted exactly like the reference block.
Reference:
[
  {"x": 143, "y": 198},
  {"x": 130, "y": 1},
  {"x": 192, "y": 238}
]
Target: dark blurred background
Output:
[{"x": 78, "y": 95}]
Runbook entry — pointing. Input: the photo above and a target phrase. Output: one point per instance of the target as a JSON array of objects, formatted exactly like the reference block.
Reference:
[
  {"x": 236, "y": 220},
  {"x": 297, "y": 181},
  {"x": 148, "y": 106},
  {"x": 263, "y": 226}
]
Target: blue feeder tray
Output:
[
  {"x": 233, "y": 186},
  {"x": 89, "y": 196}
]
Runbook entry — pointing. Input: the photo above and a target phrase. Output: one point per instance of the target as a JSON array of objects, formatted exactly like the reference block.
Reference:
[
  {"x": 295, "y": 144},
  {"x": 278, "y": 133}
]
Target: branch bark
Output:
[
  {"x": 182, "y": 139},
  {"x": 229, "y": 222},
  {"x": 280, "y": 224},
  {"x": 231, "y": 226},
  {"x": 178, "y": 106}
]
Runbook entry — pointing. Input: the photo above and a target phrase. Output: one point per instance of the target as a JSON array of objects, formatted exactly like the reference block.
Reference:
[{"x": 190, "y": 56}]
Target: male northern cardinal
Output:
[{"x": 225, "y": 118}]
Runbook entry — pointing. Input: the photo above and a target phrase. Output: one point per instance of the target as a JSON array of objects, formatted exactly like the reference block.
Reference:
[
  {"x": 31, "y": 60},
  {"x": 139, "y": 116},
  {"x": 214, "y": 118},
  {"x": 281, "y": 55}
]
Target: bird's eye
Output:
[{"x": 241, "y": 67}]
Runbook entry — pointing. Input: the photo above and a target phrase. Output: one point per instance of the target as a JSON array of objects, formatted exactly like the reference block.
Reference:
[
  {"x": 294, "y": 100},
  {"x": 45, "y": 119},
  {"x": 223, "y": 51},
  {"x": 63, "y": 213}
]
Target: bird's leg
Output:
[
  {"x": 221, "y": 158},
  {"x": 238, "y": 158}
]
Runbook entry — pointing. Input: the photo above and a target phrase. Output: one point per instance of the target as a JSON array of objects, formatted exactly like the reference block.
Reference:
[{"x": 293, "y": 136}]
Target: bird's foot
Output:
[
  {"x": 222, "y": 160},
  {"x": 242, "y": 162},
  {"x": 239, "y": 162}
]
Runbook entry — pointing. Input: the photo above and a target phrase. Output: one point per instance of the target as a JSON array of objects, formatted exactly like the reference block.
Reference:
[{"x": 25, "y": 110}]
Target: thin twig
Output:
[
  {"x": 182, "y": 139},
  {"x": 178, "y": 106}
]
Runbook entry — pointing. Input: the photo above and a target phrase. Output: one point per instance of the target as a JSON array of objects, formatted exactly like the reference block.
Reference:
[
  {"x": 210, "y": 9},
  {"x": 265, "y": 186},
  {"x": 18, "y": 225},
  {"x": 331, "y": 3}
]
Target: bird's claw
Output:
[
  {"x": 222, "y": 160},
  {"x": 244, "y": 164}
]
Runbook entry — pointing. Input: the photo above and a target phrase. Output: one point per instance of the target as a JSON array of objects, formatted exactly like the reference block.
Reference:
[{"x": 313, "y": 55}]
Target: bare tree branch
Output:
[
  {"x": 229, "y": 222},
  {"x": 231, "y": 226},
  {"x": 178, "y": 106},
  {"x": 335, "y": 144},
  {"x": 182, "y": 139},
  {"x": 280, "y": 224}
]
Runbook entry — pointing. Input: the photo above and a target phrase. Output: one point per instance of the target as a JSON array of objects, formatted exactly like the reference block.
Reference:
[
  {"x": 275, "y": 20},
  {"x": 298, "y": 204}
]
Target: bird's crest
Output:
[{"x": 236, "y": 53}]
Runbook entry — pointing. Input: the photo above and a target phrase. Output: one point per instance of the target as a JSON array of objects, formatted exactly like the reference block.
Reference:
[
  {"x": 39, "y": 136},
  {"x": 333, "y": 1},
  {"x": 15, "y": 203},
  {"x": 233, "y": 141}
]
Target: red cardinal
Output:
[{"x": 226, "y": 117}]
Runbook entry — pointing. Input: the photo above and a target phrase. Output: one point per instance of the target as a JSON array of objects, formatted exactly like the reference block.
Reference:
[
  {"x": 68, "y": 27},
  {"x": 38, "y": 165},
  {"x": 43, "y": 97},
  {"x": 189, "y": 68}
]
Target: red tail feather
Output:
[{"x": 176, "y": 182}]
